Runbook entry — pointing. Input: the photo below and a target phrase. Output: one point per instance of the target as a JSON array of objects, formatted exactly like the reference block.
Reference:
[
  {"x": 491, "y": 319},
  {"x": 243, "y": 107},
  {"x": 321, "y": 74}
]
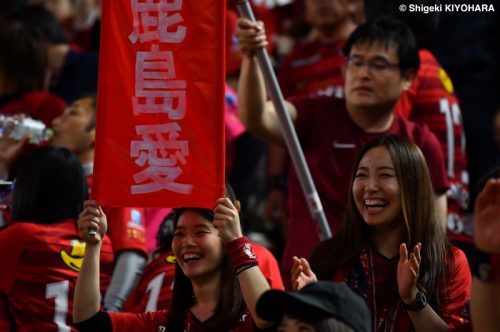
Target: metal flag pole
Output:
[{"x": 292, "y": 142}]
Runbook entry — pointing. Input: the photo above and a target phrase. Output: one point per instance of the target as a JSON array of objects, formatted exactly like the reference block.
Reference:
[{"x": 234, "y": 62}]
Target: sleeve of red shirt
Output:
[
  {"x": 126, "y": 229},
  {"x": 269, "y": 266},
  {"x": 147, "y": 322},
  {"x": 457, "y": 291},
  {"x": 12, "y": 239}
]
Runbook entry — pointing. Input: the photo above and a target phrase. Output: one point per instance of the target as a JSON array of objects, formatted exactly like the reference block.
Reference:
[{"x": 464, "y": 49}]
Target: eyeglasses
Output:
[{"x": 377, "y": 65}]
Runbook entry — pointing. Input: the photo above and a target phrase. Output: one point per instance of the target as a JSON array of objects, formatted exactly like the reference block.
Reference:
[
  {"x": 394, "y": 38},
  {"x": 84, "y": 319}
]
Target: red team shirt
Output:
[
  {"x": 331, "y": 140},
  {"x": 431, "y": 101},
  {"x": 40, "y": 267},
  {"x": 156, "y": 321},
  {"x": 154, "y": 290},
  {"x": 313, "y": 68},
  {"x": 454, "y": 296}
]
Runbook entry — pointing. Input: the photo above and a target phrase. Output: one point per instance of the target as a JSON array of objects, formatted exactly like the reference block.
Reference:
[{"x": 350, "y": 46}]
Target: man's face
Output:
[
  {"x": 321, "y": 13},
  {"x": 373, "y": 78},
  {"x": 71, "y": 128}
]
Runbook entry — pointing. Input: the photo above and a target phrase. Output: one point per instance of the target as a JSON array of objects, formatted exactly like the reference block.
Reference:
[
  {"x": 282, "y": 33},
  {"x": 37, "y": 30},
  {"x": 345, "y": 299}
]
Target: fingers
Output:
[
  {"x": 416, "y": 252},
  {"x": 489, "y": 195},
  {"x": 251, "y": 35},
  {"x": 403, "y": 253}
]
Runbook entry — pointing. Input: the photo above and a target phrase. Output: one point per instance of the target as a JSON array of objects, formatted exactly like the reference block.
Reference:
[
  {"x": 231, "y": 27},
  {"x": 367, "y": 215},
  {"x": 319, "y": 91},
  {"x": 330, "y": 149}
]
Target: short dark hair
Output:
[
  {"x": 388, "y": 31},
  {"x": 423, "y": 25},
  {"x": 24, "y": 58},
  {"x": 38, "y": 17},
  {"x": 50, "y": 186}
]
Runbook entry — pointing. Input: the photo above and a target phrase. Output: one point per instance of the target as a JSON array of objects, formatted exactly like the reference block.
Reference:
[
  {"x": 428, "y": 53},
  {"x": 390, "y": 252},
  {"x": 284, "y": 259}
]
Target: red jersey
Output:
[
  {"x": 313, "y": 68},
  {"x": 155, "y": 321},
  {"x": 40, "y": 105},
  {"x": 431, "y": 101},
  {"x": 375, "y": 269},
  {"x": 43, "y": 263},
  {"x": 330, "y": 141},
  {"x": 154, "y": 289},
  {"x": 268, "y": 266},
  {"x": 126, "y": 227}
]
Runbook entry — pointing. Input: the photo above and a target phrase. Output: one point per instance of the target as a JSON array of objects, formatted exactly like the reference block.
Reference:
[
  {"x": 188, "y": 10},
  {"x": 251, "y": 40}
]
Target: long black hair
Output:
[
  {"x": 231, "y": 304},
  {"x": 50, "y": 186},
  {"x": 419, "y": 221}
]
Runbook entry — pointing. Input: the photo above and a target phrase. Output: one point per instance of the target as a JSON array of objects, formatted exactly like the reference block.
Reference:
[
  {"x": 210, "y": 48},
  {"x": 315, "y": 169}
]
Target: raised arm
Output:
[
  {"x": 87, "y": 299},
  {"x": 257, "y": 114},
  {"x": 485, "y": 303},
  {"x": 252, "y": 282}
]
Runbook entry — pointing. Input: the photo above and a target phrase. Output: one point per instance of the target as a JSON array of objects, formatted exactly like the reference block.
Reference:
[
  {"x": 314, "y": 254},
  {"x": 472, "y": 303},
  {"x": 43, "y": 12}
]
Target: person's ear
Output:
[
  {"x": 407, "y": 78},
  {"x": 237, "y": 205},
  {"x": 92, "y": 136}
]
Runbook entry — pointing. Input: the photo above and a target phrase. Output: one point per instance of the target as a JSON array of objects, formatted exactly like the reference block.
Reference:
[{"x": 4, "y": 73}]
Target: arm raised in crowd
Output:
[
  {"x": 485, "y": 303},
  {"x": 257, "y": 114},
  {"x": 252, "y": 282},
  {"x": 87, "y": 299}
]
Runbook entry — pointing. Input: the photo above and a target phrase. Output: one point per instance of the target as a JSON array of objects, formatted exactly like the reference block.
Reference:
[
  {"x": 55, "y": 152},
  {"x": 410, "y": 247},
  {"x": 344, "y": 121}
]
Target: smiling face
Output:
[
  {"x": 197, "y": 246},
  {"x": 374, "y": 87},
  {"x": 376, "y": 190}
]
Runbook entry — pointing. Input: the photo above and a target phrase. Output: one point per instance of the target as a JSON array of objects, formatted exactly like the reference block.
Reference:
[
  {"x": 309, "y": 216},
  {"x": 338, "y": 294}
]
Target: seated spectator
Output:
[
  {"x": 41, "y": 250},
  {"x": 73, "y": 71},
  {"x": 391, "y": 249},
  {"x": 217, "y": 280},
  {"x": 319, "y": 307}
]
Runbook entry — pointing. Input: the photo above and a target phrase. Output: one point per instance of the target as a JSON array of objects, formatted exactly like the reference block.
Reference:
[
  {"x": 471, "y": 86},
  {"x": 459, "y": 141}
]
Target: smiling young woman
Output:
[
  {"x": 217, "y": 279},
  {"x": 391, "y": 248}
]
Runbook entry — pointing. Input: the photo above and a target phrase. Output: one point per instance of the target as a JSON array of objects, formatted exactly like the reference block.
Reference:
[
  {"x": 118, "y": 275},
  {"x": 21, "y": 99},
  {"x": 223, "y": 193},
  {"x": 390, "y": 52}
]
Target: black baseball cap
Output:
[{"x": 315, "y": 302}]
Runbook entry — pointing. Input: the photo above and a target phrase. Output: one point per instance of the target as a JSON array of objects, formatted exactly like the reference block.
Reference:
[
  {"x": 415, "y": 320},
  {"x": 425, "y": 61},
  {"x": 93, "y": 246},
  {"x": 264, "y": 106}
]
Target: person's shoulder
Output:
[{"x": 417, "y": 132}]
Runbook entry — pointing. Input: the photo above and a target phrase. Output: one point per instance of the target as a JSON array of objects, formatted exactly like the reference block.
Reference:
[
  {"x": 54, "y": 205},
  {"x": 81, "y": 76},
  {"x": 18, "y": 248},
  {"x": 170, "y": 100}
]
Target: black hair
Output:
[
  {"x": 165, "y": 233},
  {"x": 423, "y": 25},
  {"x": 231, "y": 304},
  {"x": 38, "y": 17},
  {"x": 388, "y": 32},
  {"x": 8, "y": 7},
  {"x": 24, "y": 58},
  {"x": 50, "y": 187}
]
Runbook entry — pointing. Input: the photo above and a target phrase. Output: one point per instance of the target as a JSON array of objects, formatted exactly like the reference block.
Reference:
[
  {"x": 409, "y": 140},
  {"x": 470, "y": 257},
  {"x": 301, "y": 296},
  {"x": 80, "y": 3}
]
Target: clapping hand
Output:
[{"x": 408, "y": 271}]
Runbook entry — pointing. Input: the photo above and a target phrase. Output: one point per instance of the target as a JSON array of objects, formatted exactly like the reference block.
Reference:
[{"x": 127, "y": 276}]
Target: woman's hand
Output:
[
  {"x": 92, "y": 222},
  {"x": 302, "y": 274},
  {"x": 227, "y": 220},
  {"x": 408, "y": 271},
  {"x": 251, "y": 36},
  {"x": 487, "y": 218}
]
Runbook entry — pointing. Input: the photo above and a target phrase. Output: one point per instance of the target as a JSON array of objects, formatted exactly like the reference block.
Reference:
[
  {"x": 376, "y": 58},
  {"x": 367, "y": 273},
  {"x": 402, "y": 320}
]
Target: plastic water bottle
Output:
[{"x": 17, "y": 126}]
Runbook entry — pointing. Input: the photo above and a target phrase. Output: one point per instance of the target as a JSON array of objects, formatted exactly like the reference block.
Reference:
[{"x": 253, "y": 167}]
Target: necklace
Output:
[{"x": 376, "y": 324}]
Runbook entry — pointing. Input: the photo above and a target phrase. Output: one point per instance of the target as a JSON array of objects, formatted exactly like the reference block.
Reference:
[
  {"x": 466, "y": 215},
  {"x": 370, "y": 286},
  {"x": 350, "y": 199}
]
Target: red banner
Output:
[{"x": 160, "y": 118}]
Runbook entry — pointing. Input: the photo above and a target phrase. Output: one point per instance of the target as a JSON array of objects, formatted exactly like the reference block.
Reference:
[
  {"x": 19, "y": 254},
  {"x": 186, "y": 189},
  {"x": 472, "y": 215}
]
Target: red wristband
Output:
[{"x": 240, "y": 254}]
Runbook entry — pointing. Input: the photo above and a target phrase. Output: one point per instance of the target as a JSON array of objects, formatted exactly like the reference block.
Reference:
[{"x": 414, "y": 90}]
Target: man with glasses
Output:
[{"x": 382, "y": 59}]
